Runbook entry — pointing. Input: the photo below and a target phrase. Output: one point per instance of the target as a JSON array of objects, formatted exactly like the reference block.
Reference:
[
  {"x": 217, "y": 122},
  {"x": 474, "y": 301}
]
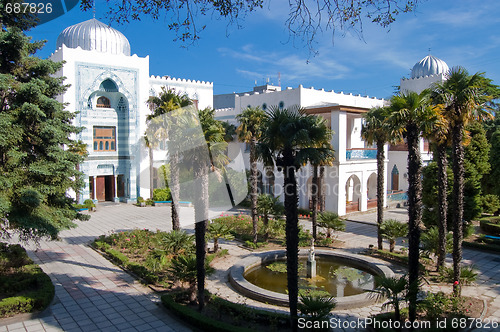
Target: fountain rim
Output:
[{"x": 243, "y": 286}]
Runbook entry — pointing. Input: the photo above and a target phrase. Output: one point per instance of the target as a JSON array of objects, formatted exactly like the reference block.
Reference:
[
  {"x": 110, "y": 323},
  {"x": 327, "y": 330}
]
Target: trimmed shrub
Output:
[{"x": 160, "y": 195}]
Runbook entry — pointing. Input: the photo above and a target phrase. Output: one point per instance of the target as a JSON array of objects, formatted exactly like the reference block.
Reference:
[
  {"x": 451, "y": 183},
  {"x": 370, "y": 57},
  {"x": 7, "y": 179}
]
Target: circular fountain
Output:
[{"x": 348, "y": 277}]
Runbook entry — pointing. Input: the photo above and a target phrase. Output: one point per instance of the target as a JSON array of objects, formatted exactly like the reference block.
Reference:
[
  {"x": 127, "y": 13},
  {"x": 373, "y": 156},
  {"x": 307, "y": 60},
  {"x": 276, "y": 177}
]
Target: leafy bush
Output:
[
  {"x": 150, "y": 202},
  {"x": 435, "y": 305},
  {"x": 88, "y": 203},
  {"x": 162, "y": 194},
  {"x": 140, "y": 200}
]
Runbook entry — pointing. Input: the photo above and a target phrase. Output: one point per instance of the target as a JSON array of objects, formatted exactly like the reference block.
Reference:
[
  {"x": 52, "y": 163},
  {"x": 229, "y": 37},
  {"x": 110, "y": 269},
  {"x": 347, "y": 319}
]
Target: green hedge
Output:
[
  {"x": 488, "y": 227},
  {"x": 197, "y": 319},
  {"x": 279, "y": 320},
  {"x": 26, "y": 288}
]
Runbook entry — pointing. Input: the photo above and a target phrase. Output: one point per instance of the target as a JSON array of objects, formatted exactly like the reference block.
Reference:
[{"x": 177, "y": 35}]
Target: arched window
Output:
[
  {"x": 108, "y": 86},
  {"x": 264, "y": 106},
  {"x": 103, "y": 102},
  {"x": 281, "y": 105}
]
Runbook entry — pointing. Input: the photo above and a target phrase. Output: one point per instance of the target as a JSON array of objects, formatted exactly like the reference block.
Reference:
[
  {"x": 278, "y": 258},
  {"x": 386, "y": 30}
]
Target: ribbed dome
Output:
[
  {"x": 93, "y": 35},
  {"x": 430, "y": 65}
]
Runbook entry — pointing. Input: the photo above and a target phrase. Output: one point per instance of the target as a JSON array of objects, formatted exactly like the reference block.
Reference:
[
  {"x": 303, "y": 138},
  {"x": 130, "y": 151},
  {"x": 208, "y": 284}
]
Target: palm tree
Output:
[
  {"x": 218, "y": 230},
  {"x": 375, "y": 130},
  {"x": 291, "y": 137},
  {"x": 267, "y": 205},
  {"x": 214, "y": 134},
  {"x": 393, "y": 289},
  {"x": 167, "y": 101},
  {"x": 439, "y": 139},
  {"x": 463, "y": 97},
  {"x": 392, "y": 229},
  {"x": 318, "y": 162},
  {"x": 409, "y": 116},
  {"x": 249, "y": 131}
]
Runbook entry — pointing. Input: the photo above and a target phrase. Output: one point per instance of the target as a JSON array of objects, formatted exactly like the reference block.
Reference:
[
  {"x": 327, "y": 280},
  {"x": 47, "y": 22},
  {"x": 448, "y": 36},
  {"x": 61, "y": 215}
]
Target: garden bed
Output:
[
  {"x": 24, "y": 287},
  {"x": 220, "y": 315}
]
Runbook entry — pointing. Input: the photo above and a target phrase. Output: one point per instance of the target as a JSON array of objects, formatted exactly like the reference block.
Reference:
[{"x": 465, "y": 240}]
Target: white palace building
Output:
[{"x": 109, "y": 88}]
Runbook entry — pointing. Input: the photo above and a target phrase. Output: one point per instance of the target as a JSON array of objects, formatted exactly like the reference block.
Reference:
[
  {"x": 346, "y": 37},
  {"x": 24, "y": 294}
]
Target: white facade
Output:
[
  {"x": 350, "y": 184},
  {"x": 108, "y": 92}
]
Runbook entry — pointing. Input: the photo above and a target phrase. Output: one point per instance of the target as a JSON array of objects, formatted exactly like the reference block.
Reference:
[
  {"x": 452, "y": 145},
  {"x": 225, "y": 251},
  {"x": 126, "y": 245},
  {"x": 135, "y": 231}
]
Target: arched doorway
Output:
[
  {"x": 372, "y": 191},
  {"x": 395, "y": 179},
  {"x": 353, "y": 194}
]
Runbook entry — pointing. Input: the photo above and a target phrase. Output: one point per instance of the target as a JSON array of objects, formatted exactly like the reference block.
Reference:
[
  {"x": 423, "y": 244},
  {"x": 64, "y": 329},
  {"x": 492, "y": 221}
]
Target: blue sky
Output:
[{"x": 460, "y": 32}]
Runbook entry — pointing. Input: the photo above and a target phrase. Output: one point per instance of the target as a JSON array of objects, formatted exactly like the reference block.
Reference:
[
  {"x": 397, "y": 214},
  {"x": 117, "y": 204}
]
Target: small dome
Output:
[
  {"x": 93, "y": 35},
  {"x": 430, "y": 65}
]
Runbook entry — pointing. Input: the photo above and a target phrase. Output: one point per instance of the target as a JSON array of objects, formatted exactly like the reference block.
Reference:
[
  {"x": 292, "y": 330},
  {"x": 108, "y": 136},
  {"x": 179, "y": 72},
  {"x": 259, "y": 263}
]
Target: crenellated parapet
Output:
[{"x": 166, "y": 80}]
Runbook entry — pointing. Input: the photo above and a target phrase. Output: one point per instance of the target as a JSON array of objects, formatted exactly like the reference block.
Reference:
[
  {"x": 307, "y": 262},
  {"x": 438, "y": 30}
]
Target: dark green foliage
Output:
[
  {"x": 37, "y": 170},
  {"x": 316, "y": 307},
  {"x": 205, "y": 323},
  {"x": 430, "y": 241},
  {"x": 430, "y": 213},
  {"x": 490, "y": 203},
  {"x": 490, "y": 181},
  {"x": 476, "y": 165},
  {"x": 490, "y": 228},
  {"x": 23, "y": 285}
]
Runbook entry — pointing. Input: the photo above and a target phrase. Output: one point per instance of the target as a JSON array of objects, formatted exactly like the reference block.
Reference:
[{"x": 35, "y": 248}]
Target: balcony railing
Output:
[{"x": 351, "y": 154}]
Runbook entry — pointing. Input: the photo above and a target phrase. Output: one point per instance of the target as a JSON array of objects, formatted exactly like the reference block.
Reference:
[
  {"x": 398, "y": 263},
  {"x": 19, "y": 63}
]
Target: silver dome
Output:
[
  {"x": 93, "y": 35},
  {"x": 430, "y": 65}
]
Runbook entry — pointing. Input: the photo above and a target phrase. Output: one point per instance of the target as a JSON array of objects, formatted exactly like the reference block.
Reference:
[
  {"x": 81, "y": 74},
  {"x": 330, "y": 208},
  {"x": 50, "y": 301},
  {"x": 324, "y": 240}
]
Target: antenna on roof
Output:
[
  {"x": 279, "y": 79},
  {"x": 93, "y": 9},
  {"x": 429, "y": 51}
]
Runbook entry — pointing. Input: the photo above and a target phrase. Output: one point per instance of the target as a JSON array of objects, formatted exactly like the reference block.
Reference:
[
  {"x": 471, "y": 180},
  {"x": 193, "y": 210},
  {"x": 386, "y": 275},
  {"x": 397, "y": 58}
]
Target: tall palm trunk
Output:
[
  {"x": 380, "y": 190},
  {"x": 292, "y": 235},
  {"x": 151, "y": 171},
  {"x": 321, "y": 199},
  {"x": 314, "y": 193},
  {"x": 253, "y": 184},
  {"x": 458, "y": 201},
  {"x": 201, "y": 215},
  {"x": 442, "y": 163},
  {"x": 174, "y": 189},
  {"x": 414, "y": 215}
]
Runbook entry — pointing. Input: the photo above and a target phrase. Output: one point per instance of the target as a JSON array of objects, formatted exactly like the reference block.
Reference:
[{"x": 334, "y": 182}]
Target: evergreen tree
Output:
[{"x": 36, "y": 163}]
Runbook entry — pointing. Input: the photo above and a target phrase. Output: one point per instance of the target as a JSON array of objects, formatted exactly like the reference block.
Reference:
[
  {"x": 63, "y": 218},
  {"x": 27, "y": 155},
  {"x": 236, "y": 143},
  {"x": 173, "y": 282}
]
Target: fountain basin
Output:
[{"x": 242, "y": 285}]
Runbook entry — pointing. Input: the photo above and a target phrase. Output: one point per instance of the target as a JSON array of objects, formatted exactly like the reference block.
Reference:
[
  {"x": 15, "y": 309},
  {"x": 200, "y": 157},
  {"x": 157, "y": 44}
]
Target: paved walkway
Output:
[{"x": 92, "y": 294}]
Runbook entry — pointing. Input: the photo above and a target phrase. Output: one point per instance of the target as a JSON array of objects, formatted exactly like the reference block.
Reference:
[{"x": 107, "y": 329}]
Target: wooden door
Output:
[
  {"x": 100, "y": 188},
  {"x": 110, "y": 187}
]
